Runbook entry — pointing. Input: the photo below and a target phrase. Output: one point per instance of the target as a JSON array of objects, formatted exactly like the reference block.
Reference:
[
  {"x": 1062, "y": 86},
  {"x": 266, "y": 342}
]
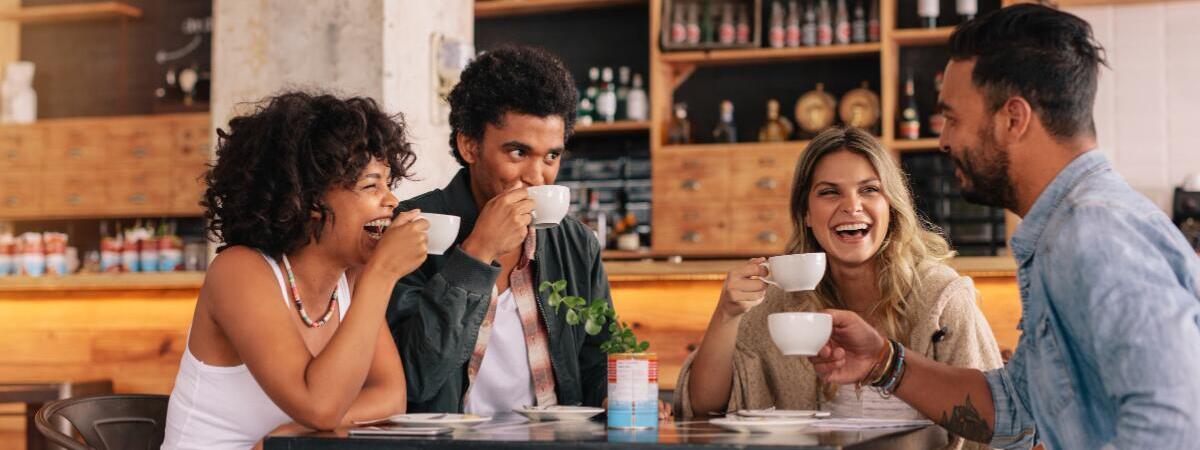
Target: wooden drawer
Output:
[
  {"x": 763, "y": 173},
  {"x": 187, "y": 187},
  {"x": 140, "y": 141},
  {"x": 139, "y": 191},
  {"x": 20, "y": 195},
  {"x": 21, "y": 146},
  {"x": 76, "y": 144},
  {"x": 690, "y": 174},
  {"x": 691, "y": 229},
  {"x": 74, "y": 193},
  {"x": 760, "y": 228},
  {"x": 193, "y": 139}
]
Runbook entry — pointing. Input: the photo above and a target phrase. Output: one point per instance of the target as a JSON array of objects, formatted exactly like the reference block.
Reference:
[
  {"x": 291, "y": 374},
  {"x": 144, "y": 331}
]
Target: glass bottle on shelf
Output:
[
  {"x": 936, "y": 120},
  {"x": 910, "y": 119},
  {"x": 810, "y": 24},
  {"x": 824, "y": 24},
  {"x": 966, "y": 9},
  {"x": 743, "y": 25},
  {"x": 793, "y": 25},
  {"x": 606, "y": 101},
  {"x": 593, "y": 87},
  {"x": 596, "y": 219},
  {"x": 726, "y": 130},
  {"x": 693, "y": 24},
  {"x": 873, "y": 22},
  {"x": 586, "y": 113},
  {"x": 929, "y": 11},
  {"x": 727, "y": 32},
  {"x": 776, "y": 37},
  {"x": 708, "y": 25},
  {"x": 841, "y": 27},
  {"x": 680, "y": 130},
  {"x": 777, "y": 128},
  {"x": 636, "y": 105},
  {"x": 678, "y": 25},
  {"x": 623, "y": 73},
  {"x": 858, "y": 28}
]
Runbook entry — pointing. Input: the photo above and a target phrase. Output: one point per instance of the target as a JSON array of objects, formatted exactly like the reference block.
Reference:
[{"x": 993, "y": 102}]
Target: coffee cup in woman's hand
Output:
[{"x": 404, "y": 245}]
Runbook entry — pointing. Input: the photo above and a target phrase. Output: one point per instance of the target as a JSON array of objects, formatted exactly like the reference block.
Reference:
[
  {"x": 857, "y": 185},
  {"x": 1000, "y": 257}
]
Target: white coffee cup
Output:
[
  {"x": 800, "y": 333},
  {"x": 798, "y": 272},
  {"x": 551, "y": 203},
  {"x": 443, "y": 229}
]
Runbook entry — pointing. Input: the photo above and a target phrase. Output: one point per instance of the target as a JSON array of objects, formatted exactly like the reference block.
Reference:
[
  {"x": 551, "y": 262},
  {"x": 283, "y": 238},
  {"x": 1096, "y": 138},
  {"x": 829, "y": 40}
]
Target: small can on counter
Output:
[
  {"x": 110, "y": 254},
  {"x": 56, "y": 252},
  {"x": 7, "y": 244},
  {"x": 633, "y": 391},
  {"x": 170, "y": 253},
  {"x": 129, "y": 252},
  {"x": 32, "y": 255},
  {"x": 149, "y": 254}
]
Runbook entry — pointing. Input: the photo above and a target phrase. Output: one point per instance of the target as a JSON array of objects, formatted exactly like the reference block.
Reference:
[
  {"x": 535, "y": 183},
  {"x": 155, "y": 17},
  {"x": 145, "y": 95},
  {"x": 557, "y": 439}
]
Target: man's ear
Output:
[
  {"x": 1012, "y": 120},
  {"x": 468, "y": 148}
]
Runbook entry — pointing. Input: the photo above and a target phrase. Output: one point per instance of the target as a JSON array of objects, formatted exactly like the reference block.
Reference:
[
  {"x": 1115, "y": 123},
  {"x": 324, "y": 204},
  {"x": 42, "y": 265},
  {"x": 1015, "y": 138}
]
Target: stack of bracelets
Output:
[{"x": 885, "y": 375}]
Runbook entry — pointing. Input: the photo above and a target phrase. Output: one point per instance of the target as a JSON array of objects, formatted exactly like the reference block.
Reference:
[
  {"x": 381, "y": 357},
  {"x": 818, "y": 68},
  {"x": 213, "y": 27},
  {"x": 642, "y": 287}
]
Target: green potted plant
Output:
[{"x": 632, "y": 371}]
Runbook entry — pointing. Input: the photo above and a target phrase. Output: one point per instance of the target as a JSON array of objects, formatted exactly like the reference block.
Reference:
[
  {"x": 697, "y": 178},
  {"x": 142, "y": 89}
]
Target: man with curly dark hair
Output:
[
  {"x": 301, "y": 197},
  {"x": 510, "y": 117}
]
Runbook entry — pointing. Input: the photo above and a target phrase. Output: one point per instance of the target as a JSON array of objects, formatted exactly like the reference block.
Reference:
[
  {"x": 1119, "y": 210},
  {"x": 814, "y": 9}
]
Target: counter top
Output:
[{"x": 618, "y": 271}]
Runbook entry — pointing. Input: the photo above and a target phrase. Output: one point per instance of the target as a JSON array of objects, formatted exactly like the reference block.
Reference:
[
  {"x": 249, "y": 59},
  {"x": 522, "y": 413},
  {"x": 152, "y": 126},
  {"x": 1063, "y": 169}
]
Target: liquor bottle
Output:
[
  {"x": 586, "y": 112},
  {"x": 824, "y": 24},
  {"x": 708, "y": 23},
  {"x": 622, "y": 91},
  {"x": 873, "y": 22},
  {"x": 858, "y": 28},
  {"x": 743, "y": 25},
  {"x": 593, "y": 87},
  {"x": 810, "y": 24},
  {"x": 680, "y": 130},
  {"x": 678, "y": 27},
  {"x": 936, "y": 120},
  {"x": 792, "y": 34},
  {"x": 966, "y": 9},
  {"x": 693, "y": 24},
  {"x": 727, "y": 32},
  {"x": 596, "y": 219},
  {"x": 777, "y": 128},
  {"x": 624, "y": 233},
  {"x": 636, "y": 105},
  {"x": 929, "y": 11},
  {"x": 910, "y": 119},
  {"x": 841, "y": 27},
  {"x": 777, "y": 34},
  {"x": 726, "y": 130},
  {"x": 606, "y": 101}
]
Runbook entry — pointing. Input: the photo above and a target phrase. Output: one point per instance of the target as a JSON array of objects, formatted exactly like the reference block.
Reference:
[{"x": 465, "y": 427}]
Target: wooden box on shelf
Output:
[{"x": 754, "y": 12}]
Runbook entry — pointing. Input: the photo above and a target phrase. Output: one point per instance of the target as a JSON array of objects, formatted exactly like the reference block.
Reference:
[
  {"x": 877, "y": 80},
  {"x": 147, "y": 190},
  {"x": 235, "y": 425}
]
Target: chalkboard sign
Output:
[{"x": 108, "y": 67}]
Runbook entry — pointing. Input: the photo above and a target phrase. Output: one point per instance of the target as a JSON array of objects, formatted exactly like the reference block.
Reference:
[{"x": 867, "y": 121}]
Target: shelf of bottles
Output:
[
  {"x": 510, "y": 8},
  {"x": 68, "y": 247}
]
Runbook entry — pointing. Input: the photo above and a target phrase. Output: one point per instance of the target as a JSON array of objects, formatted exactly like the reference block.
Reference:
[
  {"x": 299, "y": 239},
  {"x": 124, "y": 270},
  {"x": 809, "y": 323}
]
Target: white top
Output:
[
  {"x": 870, "y": 405},
  {"x": 504, "y": 381},
  {"x": 216, "y": 408}
]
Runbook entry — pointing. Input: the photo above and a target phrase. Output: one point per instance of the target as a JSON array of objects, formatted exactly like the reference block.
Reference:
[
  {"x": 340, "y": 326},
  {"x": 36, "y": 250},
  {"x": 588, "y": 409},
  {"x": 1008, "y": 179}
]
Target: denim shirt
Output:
[{"x": 1109, "y": 355}]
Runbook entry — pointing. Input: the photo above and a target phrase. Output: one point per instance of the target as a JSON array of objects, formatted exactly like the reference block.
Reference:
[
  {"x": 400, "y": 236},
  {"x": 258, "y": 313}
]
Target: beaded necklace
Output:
[{"x": 300, "y": 306}]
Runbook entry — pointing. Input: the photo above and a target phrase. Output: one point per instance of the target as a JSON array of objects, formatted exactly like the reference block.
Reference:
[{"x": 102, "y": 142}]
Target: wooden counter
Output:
[{"x": 132, "y": 328}]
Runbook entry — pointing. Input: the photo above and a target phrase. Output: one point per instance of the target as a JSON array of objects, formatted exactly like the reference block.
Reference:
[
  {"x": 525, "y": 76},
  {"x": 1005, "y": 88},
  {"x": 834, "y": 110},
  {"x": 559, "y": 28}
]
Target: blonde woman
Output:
[{"x": 850, "y": 201}]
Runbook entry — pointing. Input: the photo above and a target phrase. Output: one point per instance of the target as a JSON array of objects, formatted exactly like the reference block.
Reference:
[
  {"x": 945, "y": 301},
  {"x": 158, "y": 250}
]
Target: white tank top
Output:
[{"x": 219, "y": 408}]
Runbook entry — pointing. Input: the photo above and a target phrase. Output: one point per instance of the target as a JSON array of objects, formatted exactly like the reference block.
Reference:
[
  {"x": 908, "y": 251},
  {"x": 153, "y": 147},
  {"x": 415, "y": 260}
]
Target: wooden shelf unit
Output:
[
  {"x": 486, "y": 9},
  {"x": 620, "y": 126},
  {"x": 768, "y": 55},
  {"x": 914, "y": 145},
  {"x": 71, "y": 12},
  {"x": 922, "y": 36}
]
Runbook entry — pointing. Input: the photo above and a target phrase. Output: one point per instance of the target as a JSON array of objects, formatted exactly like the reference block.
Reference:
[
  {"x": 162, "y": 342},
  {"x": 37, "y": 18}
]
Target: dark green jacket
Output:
[{"x": 435, "y": 311}]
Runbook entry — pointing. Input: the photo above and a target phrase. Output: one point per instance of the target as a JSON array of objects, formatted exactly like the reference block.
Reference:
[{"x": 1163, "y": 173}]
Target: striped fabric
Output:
[{"x": 536, "y": 340}]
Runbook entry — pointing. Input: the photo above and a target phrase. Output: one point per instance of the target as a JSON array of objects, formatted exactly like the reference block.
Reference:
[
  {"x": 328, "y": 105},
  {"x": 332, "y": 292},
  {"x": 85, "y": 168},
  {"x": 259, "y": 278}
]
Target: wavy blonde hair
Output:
[{"x": 910, "y": 241}]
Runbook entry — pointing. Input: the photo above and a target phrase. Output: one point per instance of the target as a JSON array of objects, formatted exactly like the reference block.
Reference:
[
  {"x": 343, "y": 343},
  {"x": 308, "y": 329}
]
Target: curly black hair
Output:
[
  {"x": 275, "y": 164},
  {"x": 526, "y": 80}
]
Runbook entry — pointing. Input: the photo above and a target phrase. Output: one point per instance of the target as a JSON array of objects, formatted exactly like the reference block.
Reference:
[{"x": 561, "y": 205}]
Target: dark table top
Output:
[{"x": 511, "y": 431}]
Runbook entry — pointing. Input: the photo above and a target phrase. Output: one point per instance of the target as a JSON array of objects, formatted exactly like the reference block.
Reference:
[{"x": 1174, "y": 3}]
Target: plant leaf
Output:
[
  {"x": 560, "y": 285},
  {"x": 591, "y": 327},
  {"x": 643, "y": 346},
  {"x": 572, "y": 317}
]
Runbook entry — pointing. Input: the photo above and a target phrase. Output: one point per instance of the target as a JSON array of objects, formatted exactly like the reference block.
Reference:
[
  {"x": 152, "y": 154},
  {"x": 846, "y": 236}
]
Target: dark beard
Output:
[{"x": 987, "y": 170}]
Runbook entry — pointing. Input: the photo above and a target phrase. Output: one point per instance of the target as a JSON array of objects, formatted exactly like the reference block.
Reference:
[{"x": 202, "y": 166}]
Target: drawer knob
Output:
[
  {"x": 767, "y": 183},
  {"x": 137, "y": 198},
  {"x": 691, "y": 237},
  {"x": 766, "y": 161},
  {"x": 691, "y": 215},
  {"x": 766, "y": 215},
  {"x": 691, "y": 185},
  {"x": 11, "y": 200},
  {"x": 74, "y": 199},
  {"x": 691, "y": 164},
  {"x": 768, "y": 237},
  {"x": 75, "y": 152},
  {"x": 13, "y": 154},
  {"x": 141, "y": 152}
]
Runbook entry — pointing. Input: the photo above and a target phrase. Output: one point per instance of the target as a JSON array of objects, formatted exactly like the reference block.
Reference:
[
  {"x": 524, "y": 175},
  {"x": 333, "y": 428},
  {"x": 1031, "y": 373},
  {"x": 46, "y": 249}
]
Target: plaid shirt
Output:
[{"x": 521, "y": 284}]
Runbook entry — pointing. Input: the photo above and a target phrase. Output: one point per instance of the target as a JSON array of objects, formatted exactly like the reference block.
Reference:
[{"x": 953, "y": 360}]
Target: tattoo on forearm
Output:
[{"x": 966, "y": 422}]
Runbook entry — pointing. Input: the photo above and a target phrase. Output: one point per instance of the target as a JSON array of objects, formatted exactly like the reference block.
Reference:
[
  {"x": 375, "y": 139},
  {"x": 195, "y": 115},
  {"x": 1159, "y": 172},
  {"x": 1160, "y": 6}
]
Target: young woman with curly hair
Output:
[
  {"x": 851, "y": 201},
  {"x": 300, "y": 196}
]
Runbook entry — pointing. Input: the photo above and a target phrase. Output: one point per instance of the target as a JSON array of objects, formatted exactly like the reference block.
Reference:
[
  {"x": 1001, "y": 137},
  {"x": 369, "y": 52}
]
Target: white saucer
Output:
[
  {"x": 457, "y": 421},
  {"x": 763, "y": 424},
  {"x": 558, "y": 412},
  {"x": 784, "y": 413}
]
